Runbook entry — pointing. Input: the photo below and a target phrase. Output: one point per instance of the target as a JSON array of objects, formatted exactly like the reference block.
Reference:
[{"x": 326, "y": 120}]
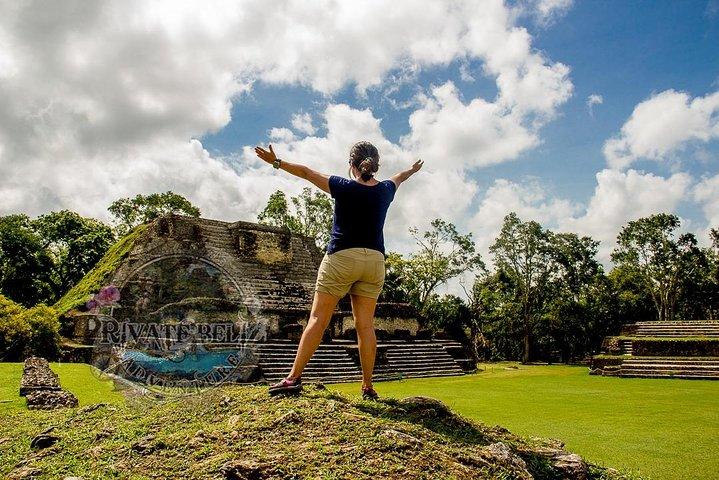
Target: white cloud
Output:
[
  {"x": 466, "y": 135},
  {"x": 592, "y": 100},
  {"x": 529, "y": 199},
  {"x": 623, "y": 196},
  {"x": 663, "y": 124},
  {"x": 706, "y": 193},
  {"x": 302, "y": 122},
  {"x": 106, "y": 100},
  {"x": 546, "y": 12}
]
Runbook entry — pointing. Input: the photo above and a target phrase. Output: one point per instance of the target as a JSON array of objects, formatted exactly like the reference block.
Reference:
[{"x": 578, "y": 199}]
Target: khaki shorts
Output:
[{"x": 359, "y": 271}]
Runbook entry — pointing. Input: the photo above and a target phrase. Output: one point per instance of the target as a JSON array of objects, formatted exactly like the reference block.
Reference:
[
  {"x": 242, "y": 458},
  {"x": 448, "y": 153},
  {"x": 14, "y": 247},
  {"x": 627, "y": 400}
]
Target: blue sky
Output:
[{"x": 579, "y": 115}]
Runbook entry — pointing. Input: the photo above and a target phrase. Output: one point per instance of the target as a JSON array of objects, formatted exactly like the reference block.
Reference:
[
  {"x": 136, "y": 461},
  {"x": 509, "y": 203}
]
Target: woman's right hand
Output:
[{"x": 417, "y": 166}]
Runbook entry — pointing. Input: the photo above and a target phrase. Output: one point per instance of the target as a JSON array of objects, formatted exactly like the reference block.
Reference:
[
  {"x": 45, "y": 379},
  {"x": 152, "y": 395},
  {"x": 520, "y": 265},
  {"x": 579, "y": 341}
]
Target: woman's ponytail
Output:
[{"x": 365, "y": 158}]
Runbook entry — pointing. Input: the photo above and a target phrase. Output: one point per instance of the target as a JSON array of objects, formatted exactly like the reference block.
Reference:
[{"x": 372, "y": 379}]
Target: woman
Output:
[{"x": 354, "y": 262}]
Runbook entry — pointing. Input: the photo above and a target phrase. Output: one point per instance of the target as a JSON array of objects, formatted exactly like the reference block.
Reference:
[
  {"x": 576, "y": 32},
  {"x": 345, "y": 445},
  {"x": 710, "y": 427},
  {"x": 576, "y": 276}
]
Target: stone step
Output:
[{"x": 664, "y": 374}]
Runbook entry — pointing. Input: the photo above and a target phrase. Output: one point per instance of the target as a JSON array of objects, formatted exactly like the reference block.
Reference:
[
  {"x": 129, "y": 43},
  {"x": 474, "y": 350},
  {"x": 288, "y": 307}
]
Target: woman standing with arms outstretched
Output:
[{"x": 354, "y": 262}]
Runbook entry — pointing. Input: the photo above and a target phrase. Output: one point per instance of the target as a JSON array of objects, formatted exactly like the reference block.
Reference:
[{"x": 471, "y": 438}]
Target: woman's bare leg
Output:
[
  {"x": 363, "y": 312},
  {"x": 323, "y": 306}
]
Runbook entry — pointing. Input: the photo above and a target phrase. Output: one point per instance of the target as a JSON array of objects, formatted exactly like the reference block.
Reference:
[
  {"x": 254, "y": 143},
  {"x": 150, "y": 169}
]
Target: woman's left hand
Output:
[{"x": 267, "y": 156}]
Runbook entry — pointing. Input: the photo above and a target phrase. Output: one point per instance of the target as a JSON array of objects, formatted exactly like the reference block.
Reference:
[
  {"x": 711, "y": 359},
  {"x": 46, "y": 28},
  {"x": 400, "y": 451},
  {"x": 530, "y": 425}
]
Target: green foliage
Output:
[
  {"x": 448, "y": 313},
  {"x": 74, "y": 243},
  {"x": 129, "y": 213},
  {"x": 312, "y": 217},
  {"x": 25, "y": 264},
  {"x": 98, "y": 276},
  {"x": 443, "y": 253},
  {"x": 648, "y": 248},
  {"x": 27, "y": 331},
  {"x": 523, "y": 252}
]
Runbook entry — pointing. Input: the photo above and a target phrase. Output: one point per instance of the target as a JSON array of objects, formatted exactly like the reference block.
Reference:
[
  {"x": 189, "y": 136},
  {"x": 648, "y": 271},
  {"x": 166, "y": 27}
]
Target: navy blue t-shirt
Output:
[{"x": 360, "y": 211}]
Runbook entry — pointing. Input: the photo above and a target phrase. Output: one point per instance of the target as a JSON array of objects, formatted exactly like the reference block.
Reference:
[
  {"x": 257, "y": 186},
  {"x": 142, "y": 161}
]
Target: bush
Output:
[{"x": 27, "y": 331}]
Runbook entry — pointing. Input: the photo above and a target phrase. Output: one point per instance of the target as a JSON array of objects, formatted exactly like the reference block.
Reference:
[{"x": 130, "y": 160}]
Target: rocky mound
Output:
[{"x": 242, "y": 433}]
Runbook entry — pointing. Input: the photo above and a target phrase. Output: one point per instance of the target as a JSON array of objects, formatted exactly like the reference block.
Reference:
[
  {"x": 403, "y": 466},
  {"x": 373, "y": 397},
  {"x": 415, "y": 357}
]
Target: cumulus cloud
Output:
[
  {"x": 107, "y": 100},
  {"x": 623, "y": 196},
  {"x": 662, "y": 125},
  {"x": 706, "y": 193},
  {"x": 529, "y": 199},
  {"x": 302, "y": 122}
]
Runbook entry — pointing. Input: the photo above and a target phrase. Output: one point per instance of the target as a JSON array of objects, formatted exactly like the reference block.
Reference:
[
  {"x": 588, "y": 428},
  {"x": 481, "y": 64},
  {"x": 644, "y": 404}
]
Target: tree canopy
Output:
[
  {"x": 310, "y": 216},
  {"x": 131, "y": 212}
]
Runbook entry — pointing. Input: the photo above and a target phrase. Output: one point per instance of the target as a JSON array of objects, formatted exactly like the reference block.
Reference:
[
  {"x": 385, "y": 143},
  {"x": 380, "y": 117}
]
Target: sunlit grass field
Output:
[
  {"x": 662, "y": 429},
  {"x": 76, "y": 378}
]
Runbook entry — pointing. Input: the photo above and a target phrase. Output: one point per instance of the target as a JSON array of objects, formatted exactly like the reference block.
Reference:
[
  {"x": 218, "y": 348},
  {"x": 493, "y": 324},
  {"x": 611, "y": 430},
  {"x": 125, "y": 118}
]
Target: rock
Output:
[
  {"x": 23, "y": 472},
  {"x": 43, "y": 440},
  {"x": 400, "y": 440},
  {"x": 36, "y": 375},
  {"x": 570, "y": 465},
  {"x": 427, "y": 406},
  {"x": 93, "y": 407},
  {"x": 50, "y": 399},
  {"x": 289, "y": 417},
  {"x": 225, "y": 401},
  {"x": 232, "y": 421},
  {"x": 501, "y": 454},
  {"x": 244, "y": 470},
  {"x": 144, "y": 445}
]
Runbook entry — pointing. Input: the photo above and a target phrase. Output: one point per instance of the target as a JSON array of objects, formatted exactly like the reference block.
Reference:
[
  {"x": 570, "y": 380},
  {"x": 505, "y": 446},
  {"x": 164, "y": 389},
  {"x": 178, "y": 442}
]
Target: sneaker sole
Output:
[{"x": 286, "y": 391}]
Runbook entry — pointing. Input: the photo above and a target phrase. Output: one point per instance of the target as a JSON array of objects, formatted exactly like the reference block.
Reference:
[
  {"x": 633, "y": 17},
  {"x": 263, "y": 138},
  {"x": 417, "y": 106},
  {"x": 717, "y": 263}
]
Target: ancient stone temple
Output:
[{"x": 196, "y": 289}]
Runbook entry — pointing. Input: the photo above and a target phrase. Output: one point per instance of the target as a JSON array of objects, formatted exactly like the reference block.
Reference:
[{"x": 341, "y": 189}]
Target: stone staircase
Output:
[
  {"x": 678, "y": 367},
  {"x": 420, "y": 359},
  {"x": 657, "y": 333},
  {"x": 672, "y": 329},
  {"x": 339, "y": 361},
  {"x": 331, "y": 363}
]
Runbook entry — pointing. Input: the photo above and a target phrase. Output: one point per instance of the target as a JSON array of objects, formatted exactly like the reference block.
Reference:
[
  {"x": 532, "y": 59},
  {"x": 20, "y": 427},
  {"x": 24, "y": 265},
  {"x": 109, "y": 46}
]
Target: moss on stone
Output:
[{"x": 96, "y": 278}]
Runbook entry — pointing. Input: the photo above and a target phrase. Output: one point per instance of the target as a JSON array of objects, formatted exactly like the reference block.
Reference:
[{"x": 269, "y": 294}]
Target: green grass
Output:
[
  {"x": 76, "y": 378},
  {"x": 318, "y": 434},
  {"x": 663, "y": 429}
]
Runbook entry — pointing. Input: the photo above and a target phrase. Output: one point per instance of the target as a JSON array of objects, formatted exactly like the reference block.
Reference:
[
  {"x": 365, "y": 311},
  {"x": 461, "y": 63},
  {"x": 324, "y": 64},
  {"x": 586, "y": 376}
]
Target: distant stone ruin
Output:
[
  {"x": 41, "y": 387},
  {"x": 688, "y": 349},
  {"x": 190, "y": 287}
]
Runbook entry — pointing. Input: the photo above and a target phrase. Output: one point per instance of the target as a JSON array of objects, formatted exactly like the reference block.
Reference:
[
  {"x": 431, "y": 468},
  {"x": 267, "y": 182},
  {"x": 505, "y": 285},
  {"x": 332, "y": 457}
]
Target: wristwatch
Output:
[{"x": 277, "y": 163}]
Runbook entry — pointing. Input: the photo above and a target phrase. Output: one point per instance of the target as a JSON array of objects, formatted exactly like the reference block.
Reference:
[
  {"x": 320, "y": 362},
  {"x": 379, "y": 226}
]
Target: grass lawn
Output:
[
  {"x": 77, "y": 378},
  {"x": 665, "y": 429}
]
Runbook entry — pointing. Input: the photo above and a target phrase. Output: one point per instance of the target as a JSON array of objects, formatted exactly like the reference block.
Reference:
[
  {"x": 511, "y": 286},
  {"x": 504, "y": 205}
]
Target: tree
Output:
[
  {"x": 25, "y": 332},
  {"x": 496, "y": 317},
  {"x": 312, "y": 217},
  {"x": 523, "y": 253},
  {"x": 647, "y": 247},
  {"x": 25, "y": 264},
  {"x": 443, "y": 253},
  {"x": 75, "y": 244},
  {"x": 129, "y": 213}
]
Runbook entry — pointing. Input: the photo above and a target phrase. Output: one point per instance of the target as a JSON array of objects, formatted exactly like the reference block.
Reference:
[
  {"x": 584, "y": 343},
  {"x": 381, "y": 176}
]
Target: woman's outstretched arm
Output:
[
  {"x": 320, "y": 180},
  {"x": 402, "y": 176}
]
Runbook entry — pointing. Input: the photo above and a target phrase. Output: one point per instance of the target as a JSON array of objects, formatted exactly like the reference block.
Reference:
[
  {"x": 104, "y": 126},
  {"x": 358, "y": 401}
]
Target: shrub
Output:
[{"x": 27, "y": 331}]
